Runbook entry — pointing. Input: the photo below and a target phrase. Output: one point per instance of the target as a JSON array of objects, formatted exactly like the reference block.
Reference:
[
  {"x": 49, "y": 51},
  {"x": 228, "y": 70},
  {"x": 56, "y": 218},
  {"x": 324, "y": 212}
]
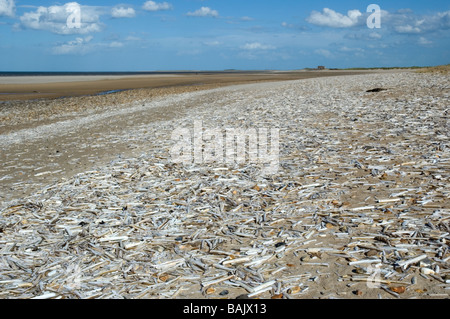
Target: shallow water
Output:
[{"x": 109, "y": 92}]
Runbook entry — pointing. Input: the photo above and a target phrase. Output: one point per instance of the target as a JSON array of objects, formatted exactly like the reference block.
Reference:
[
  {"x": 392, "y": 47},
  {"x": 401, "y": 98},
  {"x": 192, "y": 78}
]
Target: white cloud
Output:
[
  {"x": 132, "y": 38},
  {"x": 77, "y": 46},
  {"x": 55, "y": 18},
  {"x": 364, "y": 36},
  {"x": 378, "y": 46},
  {"x": 403, "y": 21},
  {"x": 324, "y": 53},
  {"x": 284, "y": 24},
  {"x": 212, "y": 43},
  {"x": 157, "y": 6},
  {"x": 347, "y": 49},
  {"x": 424, "y": 41},
  {"x": 204, "y": 12},
  {"x": 116, "y": 44},
  {"x": 257, "y": 46},
  {"x": 375, "y": 35},
  {"x": 7, "y": 8},
  {"x": 407, "y": 29},
  {"x": 358, "y": 52},
  {"x": 331, "y": 18},
  {"x": 82, "y": 46},
  {"x": 123, "y": 12},
  {"x": 409, "y": 23}
]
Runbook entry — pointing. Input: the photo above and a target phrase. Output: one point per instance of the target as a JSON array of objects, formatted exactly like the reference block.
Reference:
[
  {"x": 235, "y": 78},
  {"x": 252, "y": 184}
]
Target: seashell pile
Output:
[{"x": 358, "y": 208}]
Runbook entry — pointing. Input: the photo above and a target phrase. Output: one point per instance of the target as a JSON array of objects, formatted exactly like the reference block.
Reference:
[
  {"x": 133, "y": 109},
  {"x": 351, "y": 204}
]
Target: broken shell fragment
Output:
[
  {"x": 398, "y": 290},
  {"x": 427, "y": 271},
  {"x": 294, "y": 290},
  {"x": 210, "y": 291}
]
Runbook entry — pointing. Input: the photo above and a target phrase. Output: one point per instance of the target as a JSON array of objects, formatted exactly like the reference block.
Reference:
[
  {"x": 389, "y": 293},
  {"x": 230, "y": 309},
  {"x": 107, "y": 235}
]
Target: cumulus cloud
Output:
[
  {"x": 331, "y": 18},
  {"x": 157, "y": 6},
  {"x": 7, "y": 8},
  {"x": 123, "y": 12},
  {"x": 55, "y": 19},
  {"x": 257, "y": 46},
  {"x": 204, "y": 12}
]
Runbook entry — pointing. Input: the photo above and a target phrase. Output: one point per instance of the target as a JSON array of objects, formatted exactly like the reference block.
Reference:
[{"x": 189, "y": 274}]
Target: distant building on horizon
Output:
[{"x": 320, "y": 67}]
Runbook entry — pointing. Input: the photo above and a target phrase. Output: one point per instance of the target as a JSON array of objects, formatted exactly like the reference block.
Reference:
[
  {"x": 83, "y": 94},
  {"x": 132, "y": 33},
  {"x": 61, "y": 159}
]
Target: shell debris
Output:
[{"x": 361, "y": 196}]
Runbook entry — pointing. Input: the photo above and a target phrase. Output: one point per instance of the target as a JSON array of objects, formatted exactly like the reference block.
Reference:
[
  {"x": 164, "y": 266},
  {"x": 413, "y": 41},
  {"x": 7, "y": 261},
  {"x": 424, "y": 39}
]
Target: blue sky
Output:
[{"x": 218, "y": 34}]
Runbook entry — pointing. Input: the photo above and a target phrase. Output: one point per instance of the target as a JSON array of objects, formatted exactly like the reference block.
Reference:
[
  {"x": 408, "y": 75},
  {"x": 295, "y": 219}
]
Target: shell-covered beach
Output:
[{"x": 94, "y": 206}]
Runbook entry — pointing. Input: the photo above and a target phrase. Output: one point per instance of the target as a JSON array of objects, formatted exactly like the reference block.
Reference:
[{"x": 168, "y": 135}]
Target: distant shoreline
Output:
[
  {"x": 184, "y": 72},
  {"x": 120, "y": 73}
]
